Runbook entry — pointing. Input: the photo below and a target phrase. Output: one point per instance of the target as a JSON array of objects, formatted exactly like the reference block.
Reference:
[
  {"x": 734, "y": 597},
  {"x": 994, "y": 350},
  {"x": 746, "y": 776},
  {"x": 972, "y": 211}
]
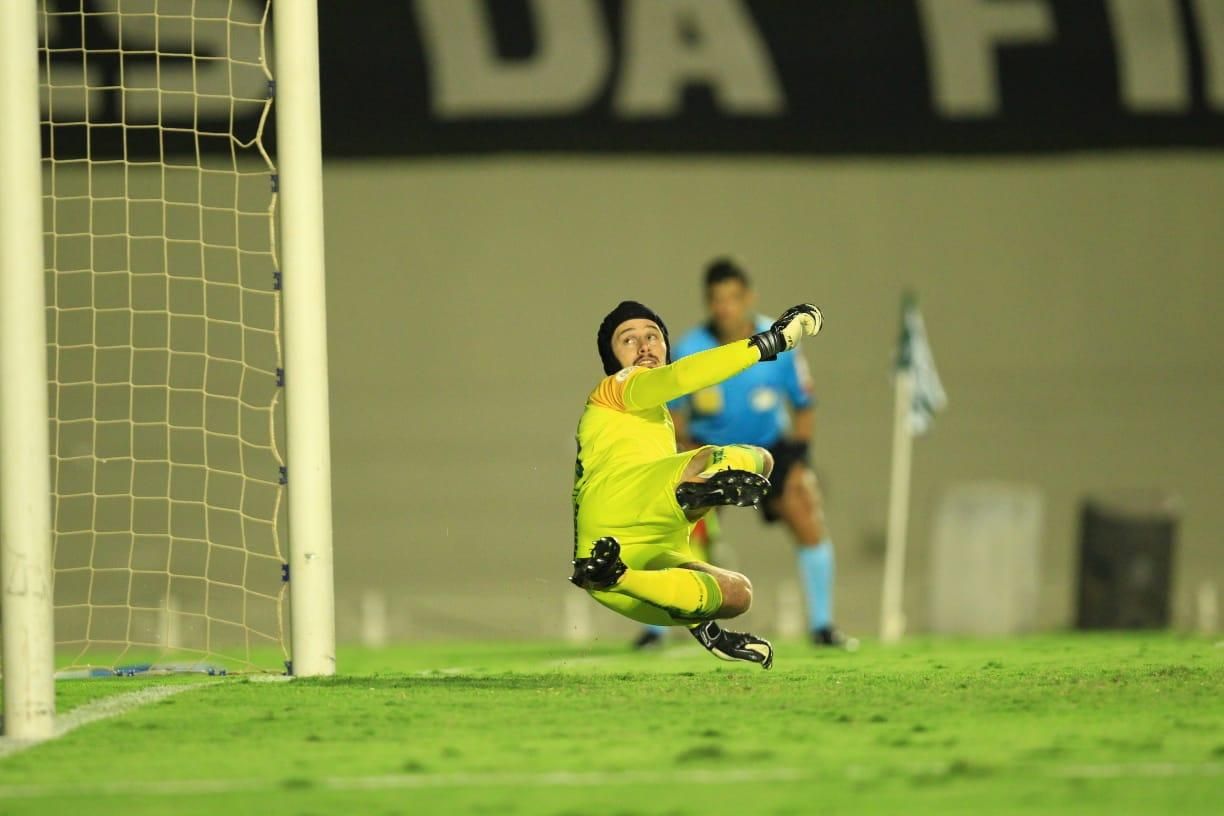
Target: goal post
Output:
[
  {"x": 25, "y": 479},
  {"x": 165, "y": 448},
  {"x": 299, "y": 157}
]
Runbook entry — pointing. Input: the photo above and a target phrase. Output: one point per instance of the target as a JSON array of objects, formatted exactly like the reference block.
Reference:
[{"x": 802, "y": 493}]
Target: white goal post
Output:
[
  {"x": 163, "y": 287},
  {"x": 299, "y": 153},
  {"x": 25, "y": 480}
]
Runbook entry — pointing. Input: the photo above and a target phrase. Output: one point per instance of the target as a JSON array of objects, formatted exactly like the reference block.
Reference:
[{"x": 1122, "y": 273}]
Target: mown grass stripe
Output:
[{"x": 551, "y": 779}]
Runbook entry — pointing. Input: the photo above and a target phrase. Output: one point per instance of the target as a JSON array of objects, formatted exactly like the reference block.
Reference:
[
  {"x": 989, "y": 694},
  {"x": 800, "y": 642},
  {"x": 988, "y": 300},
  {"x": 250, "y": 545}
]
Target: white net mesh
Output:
[{"x": 163, "y": 320}]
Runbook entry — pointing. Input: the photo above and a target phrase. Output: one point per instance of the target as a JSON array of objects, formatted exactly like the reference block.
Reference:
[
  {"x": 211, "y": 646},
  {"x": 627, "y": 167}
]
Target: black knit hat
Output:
[{"x": 627, "y": 310}]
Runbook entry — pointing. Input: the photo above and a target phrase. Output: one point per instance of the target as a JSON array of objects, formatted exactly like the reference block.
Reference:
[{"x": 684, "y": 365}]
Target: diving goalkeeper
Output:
[{"x": 636, "y": 499}]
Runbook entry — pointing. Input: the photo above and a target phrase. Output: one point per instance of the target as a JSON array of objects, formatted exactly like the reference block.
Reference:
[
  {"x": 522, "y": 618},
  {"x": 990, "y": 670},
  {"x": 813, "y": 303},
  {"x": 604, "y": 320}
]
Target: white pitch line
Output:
[
  {"x": 549, "y": 779},
  {"x": 552, "y": 779},
  {"x": 100, "y": 710},
  {"x": 556, "y": 779},
  {"x": 587, "y": 660},
  {"x": 1149, "y": 770}
]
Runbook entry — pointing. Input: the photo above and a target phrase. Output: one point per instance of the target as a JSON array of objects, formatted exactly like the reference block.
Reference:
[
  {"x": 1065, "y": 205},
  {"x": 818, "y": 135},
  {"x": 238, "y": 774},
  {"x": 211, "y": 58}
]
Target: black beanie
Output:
[{"x": 627, "y": 310}]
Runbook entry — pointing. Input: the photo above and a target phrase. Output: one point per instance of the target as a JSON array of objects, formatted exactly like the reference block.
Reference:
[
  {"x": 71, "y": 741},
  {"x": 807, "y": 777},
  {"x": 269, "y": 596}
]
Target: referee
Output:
[{"x": 752, "y": 408}]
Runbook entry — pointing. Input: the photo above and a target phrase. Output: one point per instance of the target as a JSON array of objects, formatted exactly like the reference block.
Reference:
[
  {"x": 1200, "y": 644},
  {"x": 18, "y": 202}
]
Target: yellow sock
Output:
[
  {"x": 734, "y": 457},
  {"x": 684, "y": 593}
]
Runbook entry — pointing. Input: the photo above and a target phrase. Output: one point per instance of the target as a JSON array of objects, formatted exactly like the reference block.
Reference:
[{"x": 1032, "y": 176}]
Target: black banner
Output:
[
  {"x": 423, "y": 77},
  {"x": 820, "y": 76}
]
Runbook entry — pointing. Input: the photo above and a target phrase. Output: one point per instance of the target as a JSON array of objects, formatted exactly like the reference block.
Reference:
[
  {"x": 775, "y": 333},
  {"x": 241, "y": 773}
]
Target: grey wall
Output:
[{"x": 1072, "y": 304}]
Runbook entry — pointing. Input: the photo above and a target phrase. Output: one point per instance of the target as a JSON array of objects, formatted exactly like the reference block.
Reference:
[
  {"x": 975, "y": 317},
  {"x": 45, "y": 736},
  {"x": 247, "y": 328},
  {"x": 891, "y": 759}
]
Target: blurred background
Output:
[{"x": 1047, "y": 176}]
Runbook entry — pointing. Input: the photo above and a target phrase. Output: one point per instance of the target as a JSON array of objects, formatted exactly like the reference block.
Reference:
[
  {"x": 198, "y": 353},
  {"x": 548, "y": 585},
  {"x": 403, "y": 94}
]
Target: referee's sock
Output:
[{"x": 816, "y": 573}]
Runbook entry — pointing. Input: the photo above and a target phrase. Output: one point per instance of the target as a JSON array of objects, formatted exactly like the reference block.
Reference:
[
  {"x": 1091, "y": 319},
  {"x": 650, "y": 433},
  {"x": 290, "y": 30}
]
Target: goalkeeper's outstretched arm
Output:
[
  {"x": 646, "y": 388},
  {"x": 649, "y": 387}
]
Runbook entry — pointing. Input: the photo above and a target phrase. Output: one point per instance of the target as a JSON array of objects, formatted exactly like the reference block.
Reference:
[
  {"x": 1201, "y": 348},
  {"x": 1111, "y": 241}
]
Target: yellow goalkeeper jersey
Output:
[
  {"x": 627, "y": 466},
  {"x": 611, "y": 434}
]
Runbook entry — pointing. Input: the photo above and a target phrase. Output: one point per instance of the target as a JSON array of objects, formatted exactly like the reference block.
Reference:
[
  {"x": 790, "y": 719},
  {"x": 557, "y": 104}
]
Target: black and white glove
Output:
[{"x": 795, "y": 323}]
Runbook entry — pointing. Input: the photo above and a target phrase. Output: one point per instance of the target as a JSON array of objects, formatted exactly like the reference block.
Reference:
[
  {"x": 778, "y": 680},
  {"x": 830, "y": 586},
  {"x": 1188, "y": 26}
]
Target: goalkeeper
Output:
[{"x": 636, "y": 499}]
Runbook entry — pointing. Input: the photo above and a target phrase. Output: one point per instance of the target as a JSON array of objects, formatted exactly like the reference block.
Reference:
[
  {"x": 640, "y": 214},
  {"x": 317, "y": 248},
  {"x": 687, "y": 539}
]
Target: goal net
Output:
[{"x": 164, "y": 333}]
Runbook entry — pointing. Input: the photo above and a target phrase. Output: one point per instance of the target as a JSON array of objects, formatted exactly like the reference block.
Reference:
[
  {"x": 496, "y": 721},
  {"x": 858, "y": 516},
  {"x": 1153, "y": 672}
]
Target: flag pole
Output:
[
  {"x": 892, "y": 615},
  {"x": 919, "y": 394}
]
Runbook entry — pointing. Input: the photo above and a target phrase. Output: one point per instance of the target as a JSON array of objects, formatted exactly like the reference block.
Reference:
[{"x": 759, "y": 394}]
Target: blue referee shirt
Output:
[{"x": 749, "y": 408}]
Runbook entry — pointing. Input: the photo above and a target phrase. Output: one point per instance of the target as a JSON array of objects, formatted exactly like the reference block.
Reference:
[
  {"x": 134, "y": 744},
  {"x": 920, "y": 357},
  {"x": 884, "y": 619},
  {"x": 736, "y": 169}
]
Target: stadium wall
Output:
[{"x": 1072, "y": 303}]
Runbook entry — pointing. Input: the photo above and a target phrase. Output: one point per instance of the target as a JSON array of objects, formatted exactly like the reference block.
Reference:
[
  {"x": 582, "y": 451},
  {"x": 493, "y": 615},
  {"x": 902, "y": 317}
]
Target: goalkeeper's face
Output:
[{"x": 639, "y": 342}]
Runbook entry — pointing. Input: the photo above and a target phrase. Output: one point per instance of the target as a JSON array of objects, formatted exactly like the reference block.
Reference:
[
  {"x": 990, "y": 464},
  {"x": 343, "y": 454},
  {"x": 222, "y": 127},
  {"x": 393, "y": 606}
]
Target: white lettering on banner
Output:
[
  {"x": 672, "y": 44},
  {"x": 154, "y": 65},
  {"x": 468, "y": 78},
  {"x": 71, "y": 88},
  {"x": 962, "y": 36},
  {"x": 223, "y": 60},
  {"x": 1153, "y": 66},
  {"x": 1210, "y": 17},
  {"x": 196, "y": 83}
]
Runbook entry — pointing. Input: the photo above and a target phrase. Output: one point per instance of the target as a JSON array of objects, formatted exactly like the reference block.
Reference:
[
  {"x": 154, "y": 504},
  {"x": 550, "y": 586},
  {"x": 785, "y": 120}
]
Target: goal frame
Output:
[
  {"x": 26, "y": 580},
  {"x": 25, "y": 458},
  {"x": 299, "y": 157}
]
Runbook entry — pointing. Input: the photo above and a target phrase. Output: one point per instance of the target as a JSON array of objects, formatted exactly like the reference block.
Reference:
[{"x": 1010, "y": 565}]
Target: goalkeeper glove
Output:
[{"x": 795, "y": 323}]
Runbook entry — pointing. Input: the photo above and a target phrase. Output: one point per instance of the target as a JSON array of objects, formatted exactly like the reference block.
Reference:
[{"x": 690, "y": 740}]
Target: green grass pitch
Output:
[{"x": 1049, "y": 724}]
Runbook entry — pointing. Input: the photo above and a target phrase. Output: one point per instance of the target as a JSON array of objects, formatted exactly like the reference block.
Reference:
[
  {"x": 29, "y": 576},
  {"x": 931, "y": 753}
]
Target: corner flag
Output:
[
  {"x": 914, "y": 355},
  {"x": 918, "y": 394}
]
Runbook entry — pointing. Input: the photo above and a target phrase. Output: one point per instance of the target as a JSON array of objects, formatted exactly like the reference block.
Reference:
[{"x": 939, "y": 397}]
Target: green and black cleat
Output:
[
  {"x": 729, "y": 645},
  {"x": 603, "y": 568},
  {"x": 741, "y": 488}
]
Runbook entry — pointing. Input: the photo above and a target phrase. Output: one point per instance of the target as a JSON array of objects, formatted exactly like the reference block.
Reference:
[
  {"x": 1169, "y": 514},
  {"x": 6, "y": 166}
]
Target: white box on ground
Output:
[{"x": 985, "y": 559}]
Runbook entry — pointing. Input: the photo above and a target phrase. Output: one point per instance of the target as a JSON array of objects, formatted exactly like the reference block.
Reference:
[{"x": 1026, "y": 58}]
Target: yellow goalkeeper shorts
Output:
[{"x": 637, "y": 506}]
